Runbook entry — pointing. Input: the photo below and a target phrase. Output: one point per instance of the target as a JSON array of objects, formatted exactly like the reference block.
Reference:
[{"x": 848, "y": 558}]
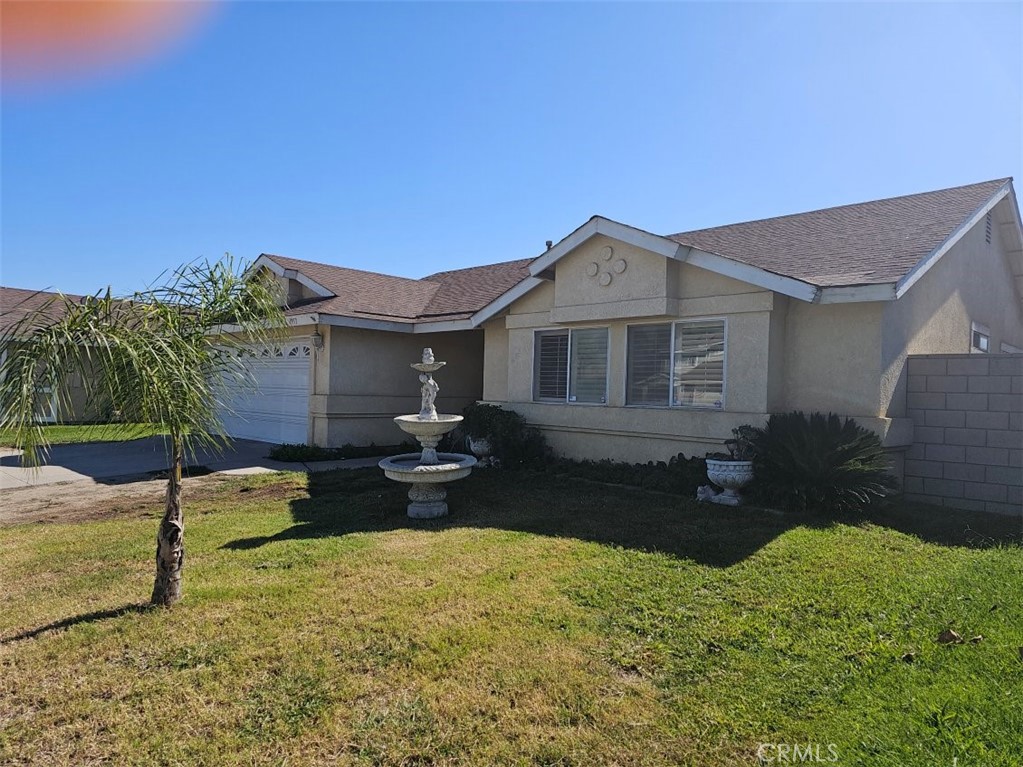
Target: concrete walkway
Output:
[{"x": 106, "y": 461}]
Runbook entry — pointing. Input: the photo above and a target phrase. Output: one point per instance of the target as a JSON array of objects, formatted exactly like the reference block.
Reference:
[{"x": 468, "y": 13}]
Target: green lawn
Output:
[
  {"x": 546, "y": 622},
  {"x": 75, "y": 433}
]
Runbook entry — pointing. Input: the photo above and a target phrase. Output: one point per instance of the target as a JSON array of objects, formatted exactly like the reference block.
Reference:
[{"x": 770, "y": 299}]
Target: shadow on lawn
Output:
[
  {"x": 348, "y": 501},
  {"x": 98, "y": 615},
  {"x": 342, "y": 502}
]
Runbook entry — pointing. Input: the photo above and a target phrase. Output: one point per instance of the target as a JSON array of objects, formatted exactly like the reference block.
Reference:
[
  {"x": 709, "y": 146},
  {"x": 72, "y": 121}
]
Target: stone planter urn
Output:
[
  {"x": 480, "y": 447},
  {"x": 730, "y": 475}
]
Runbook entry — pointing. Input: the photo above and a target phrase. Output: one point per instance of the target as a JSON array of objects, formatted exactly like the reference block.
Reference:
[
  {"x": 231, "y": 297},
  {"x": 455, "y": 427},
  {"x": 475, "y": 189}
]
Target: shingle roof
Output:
[
  {"x": 15, "y": 303},
  {"x": 861, "y": 244},
  {"x": 450, "y": 295}
]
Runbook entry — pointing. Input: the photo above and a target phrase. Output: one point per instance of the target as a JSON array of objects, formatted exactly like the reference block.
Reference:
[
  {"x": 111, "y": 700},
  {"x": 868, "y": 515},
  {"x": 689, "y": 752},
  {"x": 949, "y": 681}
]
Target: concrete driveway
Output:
[{"x": 99, "y": 461}]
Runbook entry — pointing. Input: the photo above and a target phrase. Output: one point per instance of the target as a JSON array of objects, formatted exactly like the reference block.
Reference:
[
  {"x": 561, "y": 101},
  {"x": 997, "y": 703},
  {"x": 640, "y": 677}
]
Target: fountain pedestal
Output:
[{"x": 429, "y": 470}]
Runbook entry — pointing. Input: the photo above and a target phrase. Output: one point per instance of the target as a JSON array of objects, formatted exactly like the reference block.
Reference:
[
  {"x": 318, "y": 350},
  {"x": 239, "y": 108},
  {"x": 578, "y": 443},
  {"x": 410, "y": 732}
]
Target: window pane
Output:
[
  {"x": 699, "y": 365},
  {"x": 551, "y": 374},
  {"x": 647, "y": 369},
  {"x": 589, "y": 366}
]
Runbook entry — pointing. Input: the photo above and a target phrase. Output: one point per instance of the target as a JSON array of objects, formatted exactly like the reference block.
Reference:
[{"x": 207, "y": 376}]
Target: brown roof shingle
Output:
[
  {"x": 447, "y": 295},
  {"x": 865, "y": 243},
  {"x": 16, "y": 303}
]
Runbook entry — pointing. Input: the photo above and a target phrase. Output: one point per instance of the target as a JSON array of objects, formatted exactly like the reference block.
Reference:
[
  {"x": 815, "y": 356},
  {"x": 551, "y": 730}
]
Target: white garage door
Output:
[{"x": 277, "y": 409}]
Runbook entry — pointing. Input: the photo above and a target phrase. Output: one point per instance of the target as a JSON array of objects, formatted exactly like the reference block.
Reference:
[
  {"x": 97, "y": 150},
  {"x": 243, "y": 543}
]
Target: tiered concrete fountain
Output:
[{"x": 429, "y": 470}]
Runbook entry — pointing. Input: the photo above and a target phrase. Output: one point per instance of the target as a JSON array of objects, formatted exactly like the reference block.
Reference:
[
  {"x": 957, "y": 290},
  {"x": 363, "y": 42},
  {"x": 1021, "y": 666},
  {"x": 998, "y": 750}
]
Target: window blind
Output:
[
  {"x": 647, "y": 367},
  {"x": 588, "y": 373},
  {"x": 551, "y": 375},
  {"x": 699, "y": 363}
]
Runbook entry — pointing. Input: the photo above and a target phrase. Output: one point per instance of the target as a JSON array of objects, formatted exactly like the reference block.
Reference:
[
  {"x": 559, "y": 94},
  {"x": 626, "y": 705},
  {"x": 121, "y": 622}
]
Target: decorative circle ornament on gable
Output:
[{"x": 603, "y": 272}]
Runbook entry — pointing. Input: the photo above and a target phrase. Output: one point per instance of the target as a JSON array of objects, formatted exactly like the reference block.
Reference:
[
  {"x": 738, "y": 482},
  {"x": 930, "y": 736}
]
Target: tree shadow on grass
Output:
[
  {"x": 350, "y": 501},
  {"x": 343, "y": 502},
  {"x": 63, "y": 623}
]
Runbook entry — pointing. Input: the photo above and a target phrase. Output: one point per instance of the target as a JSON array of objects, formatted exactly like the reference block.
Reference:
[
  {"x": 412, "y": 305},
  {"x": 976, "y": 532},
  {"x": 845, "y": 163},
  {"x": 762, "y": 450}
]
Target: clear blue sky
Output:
[{"x": 411, "y": 138}]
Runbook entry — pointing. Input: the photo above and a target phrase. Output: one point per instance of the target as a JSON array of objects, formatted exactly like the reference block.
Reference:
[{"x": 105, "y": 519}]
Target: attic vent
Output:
[{"x": 987, "y": 228}]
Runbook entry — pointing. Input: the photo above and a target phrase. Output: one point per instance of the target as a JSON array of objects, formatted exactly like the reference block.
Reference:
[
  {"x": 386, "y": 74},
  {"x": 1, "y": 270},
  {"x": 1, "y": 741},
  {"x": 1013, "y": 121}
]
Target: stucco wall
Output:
[
  {"x": 649, "y": 289},
  {"x": 970, "y": 283},
  {"x": 832, "y": 358},
  {"x": 363, "y": 380},
  {"x": 781, "y": 354}
]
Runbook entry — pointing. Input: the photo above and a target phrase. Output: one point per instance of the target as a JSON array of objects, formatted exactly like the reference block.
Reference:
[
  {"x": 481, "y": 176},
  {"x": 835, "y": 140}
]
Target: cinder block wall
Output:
[{"x": 967, "y": 412}]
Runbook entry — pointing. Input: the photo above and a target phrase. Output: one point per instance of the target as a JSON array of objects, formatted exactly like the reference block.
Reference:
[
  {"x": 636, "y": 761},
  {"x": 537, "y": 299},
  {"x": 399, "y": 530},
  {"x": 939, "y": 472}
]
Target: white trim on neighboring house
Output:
[
  {"x": 924, "y": 265},
  {"x": 292, "y": 274}
]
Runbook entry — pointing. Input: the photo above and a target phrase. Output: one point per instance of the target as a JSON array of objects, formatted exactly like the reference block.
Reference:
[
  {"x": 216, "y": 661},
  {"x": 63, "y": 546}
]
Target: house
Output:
[
  {"x": 619, "y": 343},
  {"x": 15, "y": 305}
]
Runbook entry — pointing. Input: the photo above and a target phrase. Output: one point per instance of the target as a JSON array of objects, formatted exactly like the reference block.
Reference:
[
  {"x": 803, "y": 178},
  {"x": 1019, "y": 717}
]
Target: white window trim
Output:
[
  {"x": 568, "y": 380},
  {"x": 984, "y": 330},
  {"x": 671, "y": 366}
]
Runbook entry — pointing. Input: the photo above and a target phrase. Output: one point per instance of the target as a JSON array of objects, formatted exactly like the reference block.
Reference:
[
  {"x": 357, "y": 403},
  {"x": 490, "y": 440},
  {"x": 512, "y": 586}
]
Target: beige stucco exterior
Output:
[
  {"x": 973, "y": 282},
  {"x": 781, "y": 353},
  {"x": 361, "y": 380}
]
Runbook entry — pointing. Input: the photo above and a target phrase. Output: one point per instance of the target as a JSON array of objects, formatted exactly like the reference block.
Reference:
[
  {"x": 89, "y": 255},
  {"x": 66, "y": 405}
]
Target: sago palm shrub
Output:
[{"x": 820, "y": 463}]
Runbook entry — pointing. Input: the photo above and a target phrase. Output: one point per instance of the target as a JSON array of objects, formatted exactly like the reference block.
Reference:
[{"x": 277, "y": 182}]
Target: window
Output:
[
  {"x": 570, "y": 365},
  {"x": 980, "y": 342},
  {"x": 680, "y": 364}
]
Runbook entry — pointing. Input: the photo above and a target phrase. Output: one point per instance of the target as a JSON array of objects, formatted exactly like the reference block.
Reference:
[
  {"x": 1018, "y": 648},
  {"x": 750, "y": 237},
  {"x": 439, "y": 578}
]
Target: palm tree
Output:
[{"x": 163, "y": 356}]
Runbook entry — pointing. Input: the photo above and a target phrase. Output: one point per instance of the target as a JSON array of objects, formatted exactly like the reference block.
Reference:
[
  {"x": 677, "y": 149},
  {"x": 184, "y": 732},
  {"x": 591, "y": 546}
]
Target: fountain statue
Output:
[{"x": 428, "y": 470}]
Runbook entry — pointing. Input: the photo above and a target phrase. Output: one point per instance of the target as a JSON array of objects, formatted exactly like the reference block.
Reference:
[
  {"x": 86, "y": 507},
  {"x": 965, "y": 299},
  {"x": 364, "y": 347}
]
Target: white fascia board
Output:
[
  {"x": 753, "y": 275},
  {"x": 444, "y": 326},
  {"x": 269, "y": 263},
  {"x": 292, "y": 274},
  {"x": 292, "y": 321},
  {"x": 504, "y": 300},
  {"x": 932, "y": 258},
  {"x": 365, "y": 324},
  {"x": 576, "y": 238},
  {"x": 613, "y": 229},
  {"x": 633, "y": 236},
  {"x": 844, "y": 294}
]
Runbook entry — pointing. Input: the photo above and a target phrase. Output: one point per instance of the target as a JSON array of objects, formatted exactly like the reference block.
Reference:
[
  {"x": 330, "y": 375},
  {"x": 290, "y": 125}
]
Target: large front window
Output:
[
  {"x": 571, "y": 366},
  {"x": 680, "y": 364}
]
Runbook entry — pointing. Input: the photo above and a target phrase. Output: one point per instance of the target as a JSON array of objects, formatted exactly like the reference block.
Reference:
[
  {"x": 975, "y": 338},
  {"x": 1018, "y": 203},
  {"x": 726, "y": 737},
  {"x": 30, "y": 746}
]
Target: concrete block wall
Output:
[{"x": 967, "y": 412}]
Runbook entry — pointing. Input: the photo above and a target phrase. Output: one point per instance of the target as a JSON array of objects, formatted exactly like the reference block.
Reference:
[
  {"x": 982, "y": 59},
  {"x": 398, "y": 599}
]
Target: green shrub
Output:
[
  {"x": 679, "y": 475},
  {"x": 292, "y": 453},
  {"x": 512, "y": 441},
  {"x": 820, "y": 463}
]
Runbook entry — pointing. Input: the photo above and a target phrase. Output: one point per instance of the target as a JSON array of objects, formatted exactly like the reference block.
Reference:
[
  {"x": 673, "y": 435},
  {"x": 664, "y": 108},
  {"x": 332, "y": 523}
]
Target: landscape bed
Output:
[{"x": 547, "y": 621}]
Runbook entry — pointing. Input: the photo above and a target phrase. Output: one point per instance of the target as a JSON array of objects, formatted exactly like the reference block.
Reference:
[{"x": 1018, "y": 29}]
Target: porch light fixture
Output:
[{"x": 317, "y": 340}]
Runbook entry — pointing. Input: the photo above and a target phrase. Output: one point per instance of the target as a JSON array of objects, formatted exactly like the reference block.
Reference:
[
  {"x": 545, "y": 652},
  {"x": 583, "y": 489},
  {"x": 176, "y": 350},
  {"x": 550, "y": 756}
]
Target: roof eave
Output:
[{"x": 924, "y": 265}]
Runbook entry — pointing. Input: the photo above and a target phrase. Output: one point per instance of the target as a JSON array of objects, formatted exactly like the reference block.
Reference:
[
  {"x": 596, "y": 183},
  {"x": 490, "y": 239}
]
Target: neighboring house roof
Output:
[
  {"x": 356, "y": 294},
  {"x": 861, "y": 244},
  {"x": 16, "y": 303}
]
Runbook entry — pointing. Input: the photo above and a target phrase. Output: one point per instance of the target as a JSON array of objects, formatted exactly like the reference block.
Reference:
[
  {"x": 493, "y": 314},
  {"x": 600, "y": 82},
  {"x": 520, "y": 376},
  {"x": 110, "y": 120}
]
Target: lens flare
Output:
[{"x": 54, "y": 41}]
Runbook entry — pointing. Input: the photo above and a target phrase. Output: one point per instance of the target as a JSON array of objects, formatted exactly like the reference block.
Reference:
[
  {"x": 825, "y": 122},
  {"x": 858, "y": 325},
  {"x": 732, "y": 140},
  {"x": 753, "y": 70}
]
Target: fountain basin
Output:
[
  {"x": 427, "y": 496},
  {"x": 407, "y": 468},
  {"x": 417, "y": 427}
]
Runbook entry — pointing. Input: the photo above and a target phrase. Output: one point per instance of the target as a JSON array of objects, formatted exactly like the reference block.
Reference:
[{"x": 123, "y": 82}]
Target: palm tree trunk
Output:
[{"x": 170, "y": 540}]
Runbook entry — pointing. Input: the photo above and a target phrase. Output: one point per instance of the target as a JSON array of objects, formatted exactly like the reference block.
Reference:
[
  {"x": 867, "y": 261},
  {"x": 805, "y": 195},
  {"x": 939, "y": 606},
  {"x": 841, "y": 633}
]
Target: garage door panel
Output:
[{"x": 276, "y": 408}]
